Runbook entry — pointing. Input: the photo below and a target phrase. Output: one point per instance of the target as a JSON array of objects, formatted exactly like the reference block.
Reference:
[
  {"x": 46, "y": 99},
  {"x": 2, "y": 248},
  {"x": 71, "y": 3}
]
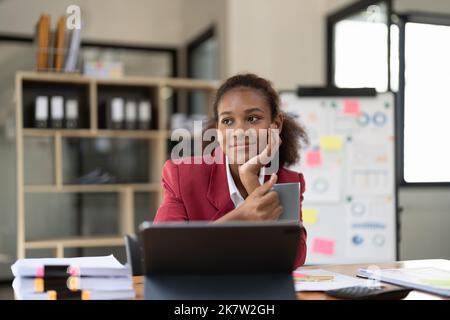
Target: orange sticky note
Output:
[
  {"x": 323, "y": 246},
  {"x": 313, "y": 158},
  {"x": 352, "y": 107}
]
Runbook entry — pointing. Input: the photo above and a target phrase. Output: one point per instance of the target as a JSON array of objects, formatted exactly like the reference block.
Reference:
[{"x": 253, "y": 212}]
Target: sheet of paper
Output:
[
  {"x": 25, "y": 266},
  {"x": 338, "y": 281},
  {"x": 28, "y": 284},
  {"x": 93, "y": 295},
  {"x": 429, "y": 279}
]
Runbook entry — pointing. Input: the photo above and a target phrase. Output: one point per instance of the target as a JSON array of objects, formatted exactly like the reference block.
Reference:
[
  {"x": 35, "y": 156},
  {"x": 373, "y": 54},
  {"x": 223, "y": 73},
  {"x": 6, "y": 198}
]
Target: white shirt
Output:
[{"x": 235, "y": 195}]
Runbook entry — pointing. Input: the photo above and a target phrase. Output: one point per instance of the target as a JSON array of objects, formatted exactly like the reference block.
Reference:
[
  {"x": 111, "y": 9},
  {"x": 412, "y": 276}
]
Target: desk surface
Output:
[{"x": 351, "y": 270}]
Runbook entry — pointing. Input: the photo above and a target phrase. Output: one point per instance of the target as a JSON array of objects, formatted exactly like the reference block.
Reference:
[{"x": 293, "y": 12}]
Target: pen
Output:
[
  {"x": 305, "y": 277},
  {"x": 313, "y": 278}
]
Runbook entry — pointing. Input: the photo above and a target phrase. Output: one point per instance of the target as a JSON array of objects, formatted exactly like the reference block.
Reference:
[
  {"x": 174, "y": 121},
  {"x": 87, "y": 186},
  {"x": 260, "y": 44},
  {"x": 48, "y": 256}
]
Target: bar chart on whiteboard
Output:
[{"x": 349, "y": 206}]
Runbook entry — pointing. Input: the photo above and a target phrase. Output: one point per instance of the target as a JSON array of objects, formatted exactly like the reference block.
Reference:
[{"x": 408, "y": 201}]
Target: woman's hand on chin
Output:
[{"x": 249, "y": 171}]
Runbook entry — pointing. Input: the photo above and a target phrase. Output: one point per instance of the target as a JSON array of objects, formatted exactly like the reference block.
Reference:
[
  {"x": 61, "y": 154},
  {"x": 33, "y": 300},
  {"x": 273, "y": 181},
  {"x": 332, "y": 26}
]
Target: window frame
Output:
[
  {"x": 346, "y": 12},
  {"x": 411, "y": 17},
  {"x": 400, "y": 20},
  {"x": 209, "y": 33}
]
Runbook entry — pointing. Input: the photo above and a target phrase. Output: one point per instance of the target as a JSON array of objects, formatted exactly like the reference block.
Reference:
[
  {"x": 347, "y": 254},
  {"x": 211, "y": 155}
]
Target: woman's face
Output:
[{"x": 244, "y": 118}]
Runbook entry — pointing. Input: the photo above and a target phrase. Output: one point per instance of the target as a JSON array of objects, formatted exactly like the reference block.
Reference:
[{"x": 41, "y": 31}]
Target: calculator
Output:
[{"x": 369, "y": 293}]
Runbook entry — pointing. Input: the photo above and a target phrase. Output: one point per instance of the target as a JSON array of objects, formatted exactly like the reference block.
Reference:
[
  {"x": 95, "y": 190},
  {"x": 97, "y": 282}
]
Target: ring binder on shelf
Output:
[
  {"x": 41, "y": 112},
  {"x": 72, "y": 121},
  {"x": 57, "y": 111},
  {"x": 145, "y": 114},
  {"x": 130, "y": 115},
  {"x": 115, "y": 114}
]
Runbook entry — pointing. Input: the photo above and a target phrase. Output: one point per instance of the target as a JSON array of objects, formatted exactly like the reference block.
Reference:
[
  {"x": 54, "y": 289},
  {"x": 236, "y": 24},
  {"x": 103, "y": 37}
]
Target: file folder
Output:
[
  {"x": 57, "y": 111},
  {"x": 41, "y": 112},
  {"x": 72, "y": 121}
]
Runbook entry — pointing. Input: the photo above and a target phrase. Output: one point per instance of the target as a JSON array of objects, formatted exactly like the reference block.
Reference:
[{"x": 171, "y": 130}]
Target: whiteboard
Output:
[{"x": 349, "y": 206}]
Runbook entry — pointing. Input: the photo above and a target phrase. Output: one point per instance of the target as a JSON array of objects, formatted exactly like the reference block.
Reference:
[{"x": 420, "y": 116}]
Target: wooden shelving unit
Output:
[{"x": 157, "y": 137}]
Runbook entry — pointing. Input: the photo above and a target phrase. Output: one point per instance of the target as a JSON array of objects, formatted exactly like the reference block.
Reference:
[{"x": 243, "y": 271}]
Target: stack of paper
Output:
[
  {"x": 95, "y": 278},
  {"x": 429, "y": 279}
]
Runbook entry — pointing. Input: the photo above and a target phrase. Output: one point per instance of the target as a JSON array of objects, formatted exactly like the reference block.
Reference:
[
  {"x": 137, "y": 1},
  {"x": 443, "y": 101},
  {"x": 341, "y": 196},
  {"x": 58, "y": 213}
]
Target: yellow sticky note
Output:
[
  {"x": 331, "y": 143},
  {"x": 309, "y": 216}
]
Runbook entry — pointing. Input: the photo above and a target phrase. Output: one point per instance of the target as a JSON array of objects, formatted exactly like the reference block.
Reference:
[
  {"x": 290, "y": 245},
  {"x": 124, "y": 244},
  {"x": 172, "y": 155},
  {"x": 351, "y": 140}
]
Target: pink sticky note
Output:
[
  {"x": 299, "y": 274},
  {"x": 323, "y": 246},
  {"x": 352, "y": 107},
  {"x": 74, "y": 271},
  {"x": 313, "y": 158},
  {"x": 40, "y": 272}
]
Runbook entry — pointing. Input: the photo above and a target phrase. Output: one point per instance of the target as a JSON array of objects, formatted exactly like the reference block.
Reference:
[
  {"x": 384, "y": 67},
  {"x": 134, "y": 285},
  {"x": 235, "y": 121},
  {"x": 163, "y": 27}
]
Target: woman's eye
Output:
[
  {"x": 227, "y": 122},
  {"x": 252, "y": 119}
]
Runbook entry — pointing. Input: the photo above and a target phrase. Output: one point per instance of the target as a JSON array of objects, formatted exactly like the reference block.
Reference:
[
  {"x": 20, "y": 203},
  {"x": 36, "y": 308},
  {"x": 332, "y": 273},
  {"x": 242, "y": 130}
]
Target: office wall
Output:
[
  {"x": 281, "y": 40},
  {"x": 155, "y": 22},
  {"x": 433, "y": 6}
]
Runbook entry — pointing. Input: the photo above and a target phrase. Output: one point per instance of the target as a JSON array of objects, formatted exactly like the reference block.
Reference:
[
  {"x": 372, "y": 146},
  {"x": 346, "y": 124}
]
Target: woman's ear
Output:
[{"x": 277, "y": 122}]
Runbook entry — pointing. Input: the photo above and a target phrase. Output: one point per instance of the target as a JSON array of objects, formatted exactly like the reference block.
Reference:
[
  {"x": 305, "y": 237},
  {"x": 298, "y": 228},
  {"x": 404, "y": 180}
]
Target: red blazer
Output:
[{"x": 194, "y": 192}]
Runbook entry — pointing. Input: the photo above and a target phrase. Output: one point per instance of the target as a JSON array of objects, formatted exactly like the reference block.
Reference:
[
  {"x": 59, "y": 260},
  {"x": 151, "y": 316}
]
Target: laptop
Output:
[{"x": 234, "y": 260}]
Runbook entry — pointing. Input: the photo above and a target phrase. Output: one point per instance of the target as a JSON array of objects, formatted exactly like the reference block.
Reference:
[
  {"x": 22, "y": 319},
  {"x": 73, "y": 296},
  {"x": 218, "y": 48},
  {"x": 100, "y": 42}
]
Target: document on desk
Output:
[
  {"x": 428, "y": 279},
  {"x": 82, "y": 278},
  {"x": 28, "y": 284},
  {"x": 105, "y": 266},
  {"x": 322, "y": 280},
  {"x": 89, "y": 295}
]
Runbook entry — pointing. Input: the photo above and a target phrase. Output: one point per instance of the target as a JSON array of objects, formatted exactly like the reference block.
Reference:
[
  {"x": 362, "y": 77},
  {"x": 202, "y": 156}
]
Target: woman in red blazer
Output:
[{"x": 231, "y": 183}]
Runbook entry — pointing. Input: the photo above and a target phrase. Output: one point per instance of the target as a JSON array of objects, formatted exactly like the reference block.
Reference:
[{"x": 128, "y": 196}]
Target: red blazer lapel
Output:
[{"x": 218, "y": 192}]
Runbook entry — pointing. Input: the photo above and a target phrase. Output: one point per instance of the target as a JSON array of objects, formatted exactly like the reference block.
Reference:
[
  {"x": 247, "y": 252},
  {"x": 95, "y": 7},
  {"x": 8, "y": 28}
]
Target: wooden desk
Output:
[{"x": 350, "y": 270}]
